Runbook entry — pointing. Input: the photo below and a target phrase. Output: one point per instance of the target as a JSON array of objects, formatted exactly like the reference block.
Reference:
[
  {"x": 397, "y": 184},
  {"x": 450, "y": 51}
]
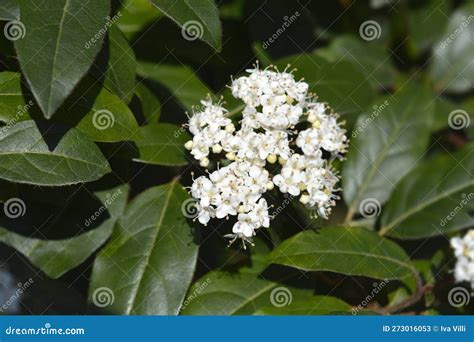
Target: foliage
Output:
[{"x": 93, "y": 169}]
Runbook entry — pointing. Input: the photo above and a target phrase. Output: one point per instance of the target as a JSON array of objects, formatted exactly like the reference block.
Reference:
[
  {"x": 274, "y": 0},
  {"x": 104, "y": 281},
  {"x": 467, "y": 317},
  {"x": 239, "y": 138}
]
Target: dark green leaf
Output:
[
  {"x": 370, "y": 58},
  {"x": 353, "y": 251},
  {"x": 149, "y": 262},
  {"x": 55, "y": 56},
  {"x": 56, "y": 257},
  {"x": 121, "y": 67},
  {"x": 25, "y": 157},
  {"x": 12, "y": 102},
  {"x": 304, "y": 305},
  {"x": 452, "y": 68},
  {"x": 386, "y": 143},
  {"x": 151, "y": 106},
  {"x": 433, "y": 199},
  {"x": 162, "y": 144},
  {"x": 181, "y": 81},
  {"x": 198, "y": 19},
  {"x": 9, "y": 10},
  {"x": 346, "y": 90}
]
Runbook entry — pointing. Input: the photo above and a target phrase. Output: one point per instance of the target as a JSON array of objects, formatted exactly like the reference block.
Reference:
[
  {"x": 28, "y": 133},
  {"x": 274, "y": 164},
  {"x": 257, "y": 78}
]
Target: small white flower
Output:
[{"x": 464, "y": 252}]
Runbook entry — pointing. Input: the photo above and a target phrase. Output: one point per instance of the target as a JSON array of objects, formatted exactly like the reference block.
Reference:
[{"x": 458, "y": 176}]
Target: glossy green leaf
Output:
[
  {"x": 9, "y": 10},
  {"x": 54, "y": 57},
  {"x": 56, "y": 257},
  {"x": 451, "y": 67},
  {"x": 149, "y": 262},
  {"x": 151, "y": 106},
  {"x": 121, "y": 66},
  {"x": 181, "y": 81},
  {"x": 385, "y": 145},
  {"x": 339, "y": 84},
  {"x": 221, "y": 293},
  {"x": 370, "y": 58},
  {"x": 433, "y": 199},
  {"x": 353, "y": 251},
  {"x": 305, "y": 305},
  {"x": 12, "y": 102},
  {"x": 162, "y": 144},
  {"x": 25, "y": 157},
  {"x": 100, "y": 114},
  {"x": 136, "y": 15},
  {"x": 198, "y": 19}
]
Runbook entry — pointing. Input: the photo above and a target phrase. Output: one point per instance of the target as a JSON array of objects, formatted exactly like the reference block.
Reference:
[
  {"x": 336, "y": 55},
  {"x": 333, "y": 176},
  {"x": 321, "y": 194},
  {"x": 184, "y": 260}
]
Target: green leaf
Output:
[
  {"x": 151, "y": 106},
  {"x": 342, "y": 86},
  {"x": 198, "y": 19},
  {"x": 386, "y": 144},
  {"x": 135, "y": 16},
  {"x": 9, "y": 10},
  {"x": 93, "y": 110},
  {"x": 452, "y": 68},
  {"x": 25, "y": 157},
  {"x": 181, "y": 81},
  {"x": 121, "y": 67},
  {"x": 162, "y": 144},
  {"x": 149, "y": 262},
  {"x": 221, "y": 293},
  {"x": 99, "y": 114},
  {"x": 370, "y": 58},
  {"x": 433, "y": 199},
  {"x": 353, "y": 251},
  {"x": 12, "y": 102},
  {"x": 305, "y": 305},
  {"x": 56, "y": 257},
  {"x": 55, "y": 56}
]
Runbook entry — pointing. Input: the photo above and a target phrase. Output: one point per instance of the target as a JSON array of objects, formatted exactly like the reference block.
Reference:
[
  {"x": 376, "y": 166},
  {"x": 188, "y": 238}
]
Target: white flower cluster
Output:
[
  {"x": 464, "y": 252},
  {"x": 276, "y": 105}
]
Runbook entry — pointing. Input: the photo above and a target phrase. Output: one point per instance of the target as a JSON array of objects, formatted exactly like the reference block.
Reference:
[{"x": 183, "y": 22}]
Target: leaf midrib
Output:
[{"x": 152, "y": 245}]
